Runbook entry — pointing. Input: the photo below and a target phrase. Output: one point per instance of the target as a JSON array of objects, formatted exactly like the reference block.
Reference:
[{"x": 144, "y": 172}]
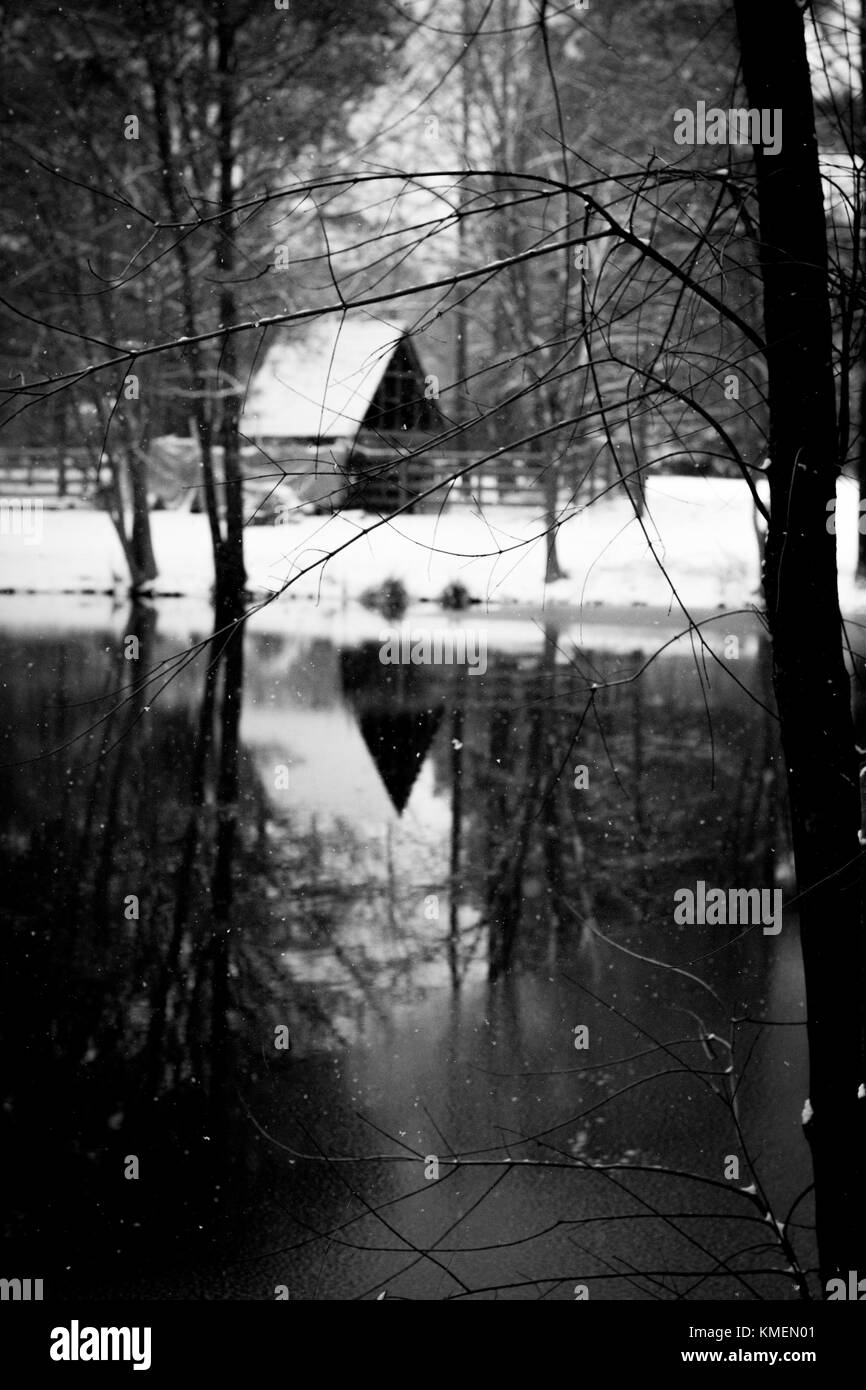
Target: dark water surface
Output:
[{"x": 393, "y": 864}]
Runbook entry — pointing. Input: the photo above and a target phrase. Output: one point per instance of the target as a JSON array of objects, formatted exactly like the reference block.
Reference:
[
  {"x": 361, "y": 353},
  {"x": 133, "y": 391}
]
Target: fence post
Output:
[{"x": 403, "y": 479}]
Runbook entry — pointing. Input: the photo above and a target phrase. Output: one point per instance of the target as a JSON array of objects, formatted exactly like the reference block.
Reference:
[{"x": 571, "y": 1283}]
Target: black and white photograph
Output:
[{"x": 433, "y": 690}]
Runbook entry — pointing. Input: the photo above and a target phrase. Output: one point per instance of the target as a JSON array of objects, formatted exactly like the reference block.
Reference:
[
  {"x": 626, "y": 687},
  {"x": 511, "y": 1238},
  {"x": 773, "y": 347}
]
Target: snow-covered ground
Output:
[{"x": 698, "y": 535}]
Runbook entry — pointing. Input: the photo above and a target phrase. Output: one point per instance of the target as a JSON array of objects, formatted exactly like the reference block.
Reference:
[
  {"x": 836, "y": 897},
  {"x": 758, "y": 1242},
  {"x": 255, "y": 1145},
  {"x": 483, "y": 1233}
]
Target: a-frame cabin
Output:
[{"x": 345, "y": 408}]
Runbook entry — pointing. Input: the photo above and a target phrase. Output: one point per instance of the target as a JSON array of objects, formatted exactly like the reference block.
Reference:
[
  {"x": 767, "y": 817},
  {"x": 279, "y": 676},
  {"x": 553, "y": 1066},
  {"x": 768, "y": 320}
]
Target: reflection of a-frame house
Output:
[
  {"x": 397, "y": 724},
  {"x": 398, "y": 744}
]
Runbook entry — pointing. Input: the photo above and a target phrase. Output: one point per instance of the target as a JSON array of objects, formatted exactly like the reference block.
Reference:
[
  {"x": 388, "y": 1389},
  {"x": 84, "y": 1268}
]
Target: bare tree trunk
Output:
[
  {"x": 230, "y": 571},
  {"x": 141, "y": 543},
  {"x": 861, "y": 414},
  {"x": 639, "y": 444},
  {"x": 809, "y": 675},
  {"x": 462, "y": 314},
  {"x": 129, "y": 466},
  {"x": 135, "y": 540},
  {"x": 861, "y": 468},
  {"x": 552, "y": 568},
  {"x": 193, "y": 352}
]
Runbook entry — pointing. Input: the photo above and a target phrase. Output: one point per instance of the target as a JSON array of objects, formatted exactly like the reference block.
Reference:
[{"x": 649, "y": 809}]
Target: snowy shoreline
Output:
[{"x": 701, "y": 529}]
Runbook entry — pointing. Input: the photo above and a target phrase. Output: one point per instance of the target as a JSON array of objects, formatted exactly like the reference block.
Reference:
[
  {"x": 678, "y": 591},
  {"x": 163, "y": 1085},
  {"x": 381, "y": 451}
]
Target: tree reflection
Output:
[{"x": 168, "y": 911}]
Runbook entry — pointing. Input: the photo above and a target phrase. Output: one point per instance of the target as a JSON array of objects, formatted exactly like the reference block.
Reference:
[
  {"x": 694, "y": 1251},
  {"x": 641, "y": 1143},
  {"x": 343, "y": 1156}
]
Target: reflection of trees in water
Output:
[
  {"x": 677, "y": 791},
  {"x": 134, "y": 886},
  {"x": 682, "y": 784},
  {"x": 250, "y": 917},
  {"x": 146, "y": 1014}
]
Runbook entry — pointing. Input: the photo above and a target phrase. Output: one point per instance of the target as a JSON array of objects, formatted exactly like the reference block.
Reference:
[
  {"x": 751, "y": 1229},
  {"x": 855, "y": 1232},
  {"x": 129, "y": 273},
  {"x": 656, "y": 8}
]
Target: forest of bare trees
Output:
[{"x": 188, "y": 185}]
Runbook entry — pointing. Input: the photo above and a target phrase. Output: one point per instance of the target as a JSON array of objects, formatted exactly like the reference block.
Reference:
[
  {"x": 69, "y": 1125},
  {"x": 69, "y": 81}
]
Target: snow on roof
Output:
[{"x": 318, "y": 382}]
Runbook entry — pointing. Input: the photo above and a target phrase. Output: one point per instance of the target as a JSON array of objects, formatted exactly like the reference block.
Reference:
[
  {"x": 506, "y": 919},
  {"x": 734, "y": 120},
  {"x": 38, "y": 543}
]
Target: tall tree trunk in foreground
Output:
[
  {"x": 861, "y": 252},
  {"x": 229, "y": 558},
  {"x": 809, "y": 674}
]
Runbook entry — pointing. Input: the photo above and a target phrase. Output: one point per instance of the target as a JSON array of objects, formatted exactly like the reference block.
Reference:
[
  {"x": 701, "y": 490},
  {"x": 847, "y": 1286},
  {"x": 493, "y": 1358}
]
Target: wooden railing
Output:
[
  {"x": 377, "y": 478},
  {"x": 383, "y": 481},
  {"x": 65, "y": 476}
]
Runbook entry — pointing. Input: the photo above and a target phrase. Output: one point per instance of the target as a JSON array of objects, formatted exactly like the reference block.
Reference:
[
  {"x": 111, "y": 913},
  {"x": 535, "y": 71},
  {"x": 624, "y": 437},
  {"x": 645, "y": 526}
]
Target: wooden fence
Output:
[
  {"x": 376, "y": 478},
  {"x": 383, "y": 482},
  {"x": 61, "y": 477}
]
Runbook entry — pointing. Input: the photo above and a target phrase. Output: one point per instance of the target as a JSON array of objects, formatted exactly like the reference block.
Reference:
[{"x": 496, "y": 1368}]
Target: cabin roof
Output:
[{"x": 319, "y": 382}]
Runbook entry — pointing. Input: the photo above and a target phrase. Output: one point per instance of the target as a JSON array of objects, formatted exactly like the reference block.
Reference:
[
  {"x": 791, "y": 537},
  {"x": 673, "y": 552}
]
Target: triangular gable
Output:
[{"x": 318, "y": 382}]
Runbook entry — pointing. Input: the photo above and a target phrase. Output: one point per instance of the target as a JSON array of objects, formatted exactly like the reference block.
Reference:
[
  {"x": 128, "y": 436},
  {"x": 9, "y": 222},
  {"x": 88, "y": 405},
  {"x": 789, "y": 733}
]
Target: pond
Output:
[{"x": 329, "y": 976}]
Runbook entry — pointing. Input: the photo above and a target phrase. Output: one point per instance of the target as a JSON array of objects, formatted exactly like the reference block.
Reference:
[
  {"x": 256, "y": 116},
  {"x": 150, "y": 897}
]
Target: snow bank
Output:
[{"x": 698, "y": 535}]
